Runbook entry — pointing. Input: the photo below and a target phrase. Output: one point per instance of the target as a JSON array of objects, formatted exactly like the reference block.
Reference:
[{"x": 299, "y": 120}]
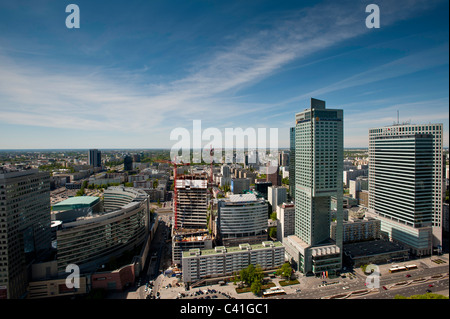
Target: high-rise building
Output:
[
  {"x": 192, "y": 201},
  {"x": 318, "y": 177},
  {"x": 127, "y": 163},
  {"x": 292, "y": 162},
  {"x": 406, "y": 183},
  {"x": 25, "y": 227},
  {"x": 95, "y": 158}
]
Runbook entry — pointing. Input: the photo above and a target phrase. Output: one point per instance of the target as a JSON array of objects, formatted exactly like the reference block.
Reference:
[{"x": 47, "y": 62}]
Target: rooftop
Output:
[
  {"x": 76, "y": 202},
  {"x": 371, "y": 248},
  {"x": 241, "y": 247},
  {"x": 242, "y": 198}
]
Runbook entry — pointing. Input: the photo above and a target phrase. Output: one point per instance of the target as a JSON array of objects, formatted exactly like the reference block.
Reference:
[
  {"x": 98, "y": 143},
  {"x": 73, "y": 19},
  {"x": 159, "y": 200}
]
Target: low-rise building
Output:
[
  {"x": 225, "y": 261},
  {"x": 356, "y": 230}
]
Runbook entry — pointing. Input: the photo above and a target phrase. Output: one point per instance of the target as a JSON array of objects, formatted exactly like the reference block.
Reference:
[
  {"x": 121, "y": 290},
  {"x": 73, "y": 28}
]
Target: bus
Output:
[
  {"x": 274, "y": 291},
  {"x": 397, "y": 269},
  {"x": 411, "y": 267}
]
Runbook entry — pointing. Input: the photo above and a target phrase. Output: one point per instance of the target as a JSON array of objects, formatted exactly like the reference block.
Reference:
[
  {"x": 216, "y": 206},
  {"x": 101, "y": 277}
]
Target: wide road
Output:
[
  {"x": 416, "y": 289},
  {"x": 358, "y": 284}
]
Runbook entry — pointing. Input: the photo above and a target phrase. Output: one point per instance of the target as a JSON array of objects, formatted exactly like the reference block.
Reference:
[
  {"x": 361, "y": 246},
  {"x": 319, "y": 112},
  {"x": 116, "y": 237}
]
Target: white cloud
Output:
[{"x": 41, "y": 96}]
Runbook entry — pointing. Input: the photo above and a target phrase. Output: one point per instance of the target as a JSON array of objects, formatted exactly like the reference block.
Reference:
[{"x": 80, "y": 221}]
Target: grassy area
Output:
[
  {"x": 284, "y": 283},
  {"x": 247, "y": 289},
  {"x": 425, "y": 296}
]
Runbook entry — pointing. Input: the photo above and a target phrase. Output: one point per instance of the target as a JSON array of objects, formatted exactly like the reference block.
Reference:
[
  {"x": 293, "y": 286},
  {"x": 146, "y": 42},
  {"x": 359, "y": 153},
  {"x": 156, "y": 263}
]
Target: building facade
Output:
[
  {"x": 356, "y": 230},
  {"x": 95, "y": 158},
  {"x": 276, "y": 195},
  {"x": 222, "y": 261},
  {"x": 286, "y": 221},
  {"x": 318, "y": 177},
  {"x": 25, "y": 227},
  {"x": 192, "y": 201},
  {"x": 406, "y": 182},
  {"x": 292, "y": 162},
  {"x": 90, "y": 242},
  {"x": 240, "y": 185},
  {"x": 242, "y": 219}
]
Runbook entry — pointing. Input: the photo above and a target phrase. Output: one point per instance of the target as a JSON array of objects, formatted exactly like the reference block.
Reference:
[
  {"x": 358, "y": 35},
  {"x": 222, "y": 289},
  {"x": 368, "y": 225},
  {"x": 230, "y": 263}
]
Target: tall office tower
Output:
[
  {"x": 292, "y": 162},
  {"x": 192, "y": 201},
  {"x": 127, "y": 163},
  {"x": 95, "y": 158},
  {"x": 283, "y": 158},
  {"x": 406, "y": 183},
  {"x": 318, "y": 177},
  {"x": 225, "y": 171},
  {"x": 24, "y": 226}
]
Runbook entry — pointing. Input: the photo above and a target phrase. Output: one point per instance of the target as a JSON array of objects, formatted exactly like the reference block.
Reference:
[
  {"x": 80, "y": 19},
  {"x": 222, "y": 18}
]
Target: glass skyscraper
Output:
[
  {"x": 95, "y": 158},
  {"x": 318, "y": 177},
  {"x": 25, "y": 226},
  {"x": 292, "y": 162}
]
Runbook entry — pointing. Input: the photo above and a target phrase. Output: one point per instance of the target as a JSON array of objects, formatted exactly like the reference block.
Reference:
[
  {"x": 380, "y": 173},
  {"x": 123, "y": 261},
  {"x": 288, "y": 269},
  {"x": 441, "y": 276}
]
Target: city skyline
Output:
[{"x": 133, "y": 72}]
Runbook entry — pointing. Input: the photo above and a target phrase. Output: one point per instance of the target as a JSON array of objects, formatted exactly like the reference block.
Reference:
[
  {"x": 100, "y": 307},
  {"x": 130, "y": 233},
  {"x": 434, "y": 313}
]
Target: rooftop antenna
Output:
[{"x": 397, "y": 118}]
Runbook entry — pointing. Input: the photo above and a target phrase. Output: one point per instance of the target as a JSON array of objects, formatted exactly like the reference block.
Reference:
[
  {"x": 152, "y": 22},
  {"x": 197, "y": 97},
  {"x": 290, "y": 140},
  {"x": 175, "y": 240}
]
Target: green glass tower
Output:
[{"x": 318, "y": 177}]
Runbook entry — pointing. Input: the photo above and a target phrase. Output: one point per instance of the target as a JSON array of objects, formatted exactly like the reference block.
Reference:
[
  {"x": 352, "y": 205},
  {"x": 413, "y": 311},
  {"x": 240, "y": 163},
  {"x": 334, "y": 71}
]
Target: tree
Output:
[
  {"x": 256, "y": 287},
  {"x": 273, "y": 232},
  {"x": 285, "y": 270},
  {"x": 251, "y": 274}
]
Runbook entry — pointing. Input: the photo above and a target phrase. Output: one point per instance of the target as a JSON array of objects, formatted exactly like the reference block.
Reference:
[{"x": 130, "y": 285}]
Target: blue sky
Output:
[{"x": 135, "y": 70}]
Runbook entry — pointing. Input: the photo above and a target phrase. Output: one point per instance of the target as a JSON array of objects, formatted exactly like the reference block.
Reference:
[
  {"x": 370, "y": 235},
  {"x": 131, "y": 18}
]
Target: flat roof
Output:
[
  {"x": 233, "y": 249},
  {"x": 76, "y": 202},
  {"x": 373, "y": 247}
]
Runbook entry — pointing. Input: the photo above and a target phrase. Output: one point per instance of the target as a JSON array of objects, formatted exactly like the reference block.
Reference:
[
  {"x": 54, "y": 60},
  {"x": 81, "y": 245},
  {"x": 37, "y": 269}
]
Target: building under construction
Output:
[
  {"x": 191, "y": 206},
  {"x": 192, "y": 201}
]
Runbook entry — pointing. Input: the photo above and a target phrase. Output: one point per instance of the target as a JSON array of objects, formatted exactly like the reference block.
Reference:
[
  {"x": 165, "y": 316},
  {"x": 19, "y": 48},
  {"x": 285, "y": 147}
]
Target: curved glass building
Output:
[
  {"x": 92, "y": 241},
  {"x": 242, "y": 219}
]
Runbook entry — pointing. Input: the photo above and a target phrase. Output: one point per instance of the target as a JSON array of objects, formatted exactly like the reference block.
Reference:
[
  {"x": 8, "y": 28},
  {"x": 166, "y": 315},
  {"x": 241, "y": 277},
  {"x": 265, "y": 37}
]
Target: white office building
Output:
[{"x": 406, "y": 183}]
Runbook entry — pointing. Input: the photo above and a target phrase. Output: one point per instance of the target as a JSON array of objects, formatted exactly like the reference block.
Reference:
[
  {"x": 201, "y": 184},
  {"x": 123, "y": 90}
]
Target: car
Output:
[
  {"x": 430, "y": 285},
  {"x": 384, "y": 287},
  {"x": 428, "y": 290},
  {"x": 408, "y": 275}
]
